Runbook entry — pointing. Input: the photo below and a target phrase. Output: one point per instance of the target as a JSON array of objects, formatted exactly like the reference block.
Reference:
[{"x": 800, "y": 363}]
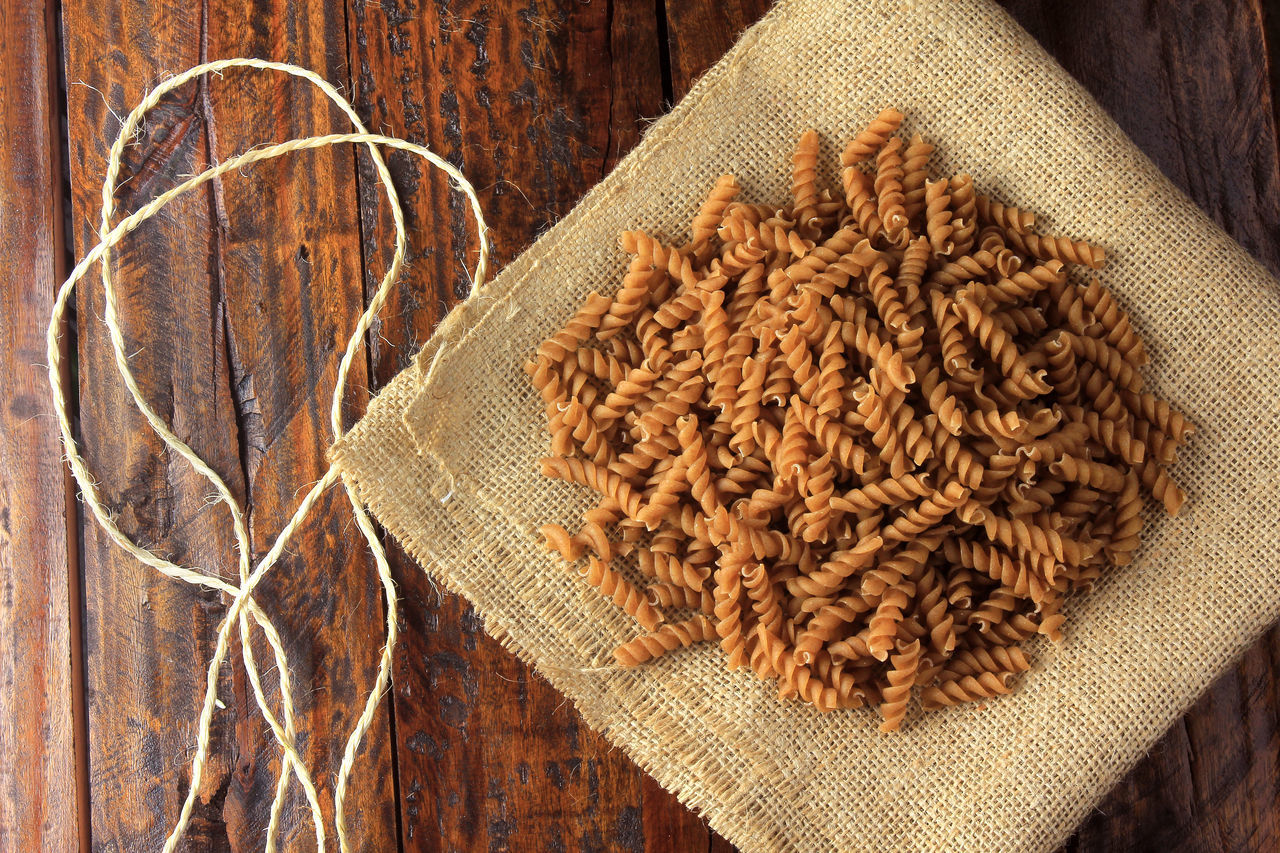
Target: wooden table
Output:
[{"x": 236, "y": 302}]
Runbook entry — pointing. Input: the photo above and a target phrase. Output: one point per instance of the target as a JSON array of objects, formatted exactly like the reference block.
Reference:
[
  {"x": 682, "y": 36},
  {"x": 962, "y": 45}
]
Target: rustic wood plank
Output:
[
  {"x": 1190, "y": 85},
  {"x": 40, "y": 806},
  {"x": 698, "y": 34},
  {"x": 137, "y": 756},
  {"x": 237, "y": 304},
  {"x": 519, "y": 96}
]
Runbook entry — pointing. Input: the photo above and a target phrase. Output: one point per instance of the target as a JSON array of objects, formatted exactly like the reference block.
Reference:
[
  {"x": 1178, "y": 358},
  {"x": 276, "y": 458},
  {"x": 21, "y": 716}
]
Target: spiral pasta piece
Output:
[
  {"x": 669, "y": 637},
  {"x": 593, "y": 536},
  {"x": 868, "y": 142},
  {"x": 804, "y": 179},
  {"x": 964, "y": 224},
  {"x": 891, "y": 492},
  {"x": 579, "y": 431},
  {"x": 928, "y": 513},
  {"x": 814, "y": 270},
  {"x": 1114, "y": 321},
  {"x": 635, "y": 384},
  {"x": 1154, "y": 443},
  {"x": 859, "y": 194},
  {"x": 816, "y": 489},
  {"x": 992, "y": 212},
  {"x": 728, "y": 606},
  {"x": 939, "y": 399},
  {"x": 1161, "y": 486},
  {"x": 676, "y": 597},
  {"x": 1101, "y": 393},
  {"x": 799, "y": 358},
  {"x": 636, "y": 289},
  {"x": 696, "y": 466},
  {"x": 557, "y": 347},
  {"x": 955, "y": 457},
  {"x": 963, "y": 269},
  {"x": 602, "y": 365},
  {"x": 1001, "y": 348},
  {"x": 768, "y": 236},
  {"x": 1128, "y": 522},
  {"x": 933, "y": 614},
  {"x": 889, "y": 571},
  {"x": 1108, "y": 359},
  {"x": 678, "y": 263},
  {"x": 877, "y": 409},
  {"x": 667, "y": 568},
  {"x": 1013, "y": 532},
  {"x": 594, "y": 477},
  {"x": 950, "y": 325},
  {"x": 966, "y": 689},
  {"x": 901, "y": 678},
  {"x": 671, "y": 407},
  {"x": 888, "y": 300},
  {"x": 559, "y": 540},
  {"x": 890, "y": 199},
  {"x": 915, "y": 168},
  {"x": 737, "y": 258},
  {"x": 1058, "y": 249},
  {"x": 882, "y": 630},
  {"x": 1159, "y": 413},
  {"x": 763, "y": 597},
  {"x": 621, "y": 592},
  {"x": 990, "y": 613},
  {"x": 834, "y": 437},
  {"x": 997, "y": 659},
  {"x": 938, "y": 227},
  {"x": 829, "y": 396},
  {"x": 711, "y": 214},
  {"x": 911, "y": 271},
  {"x": 1021, "y": 285},
  {"x": 664, "y": 498},
  {"x": 1095, "y": 475}
]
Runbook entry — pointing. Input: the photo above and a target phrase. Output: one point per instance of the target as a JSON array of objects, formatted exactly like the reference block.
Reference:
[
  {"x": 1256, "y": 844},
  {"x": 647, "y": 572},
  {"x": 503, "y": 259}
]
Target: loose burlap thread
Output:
[{"x": 446, "y": 456}]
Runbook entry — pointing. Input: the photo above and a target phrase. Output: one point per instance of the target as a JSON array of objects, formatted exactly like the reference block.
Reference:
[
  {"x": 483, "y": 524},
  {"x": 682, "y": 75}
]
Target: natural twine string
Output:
[{"x": 243, "y": 607}]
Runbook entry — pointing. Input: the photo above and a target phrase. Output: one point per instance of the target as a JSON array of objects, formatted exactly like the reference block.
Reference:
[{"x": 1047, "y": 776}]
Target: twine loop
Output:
[{"x": 244, "y": 613}]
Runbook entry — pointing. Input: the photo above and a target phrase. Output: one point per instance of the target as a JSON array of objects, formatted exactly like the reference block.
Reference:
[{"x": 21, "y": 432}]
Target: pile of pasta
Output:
[{"x": 867, "y": 442}]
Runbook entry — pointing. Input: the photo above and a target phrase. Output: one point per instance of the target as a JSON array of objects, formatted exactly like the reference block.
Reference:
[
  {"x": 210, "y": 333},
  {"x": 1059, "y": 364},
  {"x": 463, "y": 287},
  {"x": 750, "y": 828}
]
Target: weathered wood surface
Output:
[
  {"x": 39, "y": 802},
  {"x": 235, "y": 303}
]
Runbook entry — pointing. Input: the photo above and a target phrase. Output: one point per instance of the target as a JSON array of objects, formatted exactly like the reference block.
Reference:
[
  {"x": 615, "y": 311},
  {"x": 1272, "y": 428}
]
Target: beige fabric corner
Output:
[{"x": 446, "y": 457}]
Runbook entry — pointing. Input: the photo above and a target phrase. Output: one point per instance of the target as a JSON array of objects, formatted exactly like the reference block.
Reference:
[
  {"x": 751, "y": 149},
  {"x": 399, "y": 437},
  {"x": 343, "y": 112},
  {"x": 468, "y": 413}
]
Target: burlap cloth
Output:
[{"x": 446, "y": 456}]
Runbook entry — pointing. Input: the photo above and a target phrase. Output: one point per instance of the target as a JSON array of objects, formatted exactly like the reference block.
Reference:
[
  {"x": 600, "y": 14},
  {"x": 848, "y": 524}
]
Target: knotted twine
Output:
[{"x": 243, "y": 606}]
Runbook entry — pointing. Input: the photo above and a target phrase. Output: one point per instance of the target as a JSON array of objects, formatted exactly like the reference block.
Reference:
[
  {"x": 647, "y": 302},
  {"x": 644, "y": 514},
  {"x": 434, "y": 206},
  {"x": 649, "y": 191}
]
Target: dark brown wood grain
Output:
[
  {"x": 536, "y": 102},
  {"x": 40, "y": 806},
  {"x": 699, "y": 33},
  {"x": 236, "y": 302},
  {"x": 1192, "y": 88}
]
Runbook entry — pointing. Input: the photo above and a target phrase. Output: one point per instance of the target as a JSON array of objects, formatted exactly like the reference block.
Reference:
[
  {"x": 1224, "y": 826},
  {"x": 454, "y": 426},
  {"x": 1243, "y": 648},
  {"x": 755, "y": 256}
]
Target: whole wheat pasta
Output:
[
  {"x": 915, "y": 167},
  {"x": 868, "y": 142},
  {"x": 671, "y": 636},
  {"x": 872, "y": 438},
  {"x": 711, "y": 215}
]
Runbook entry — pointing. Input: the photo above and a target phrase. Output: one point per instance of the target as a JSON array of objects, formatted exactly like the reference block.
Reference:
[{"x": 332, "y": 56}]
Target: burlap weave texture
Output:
[{"x": 446, "y": 457}]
